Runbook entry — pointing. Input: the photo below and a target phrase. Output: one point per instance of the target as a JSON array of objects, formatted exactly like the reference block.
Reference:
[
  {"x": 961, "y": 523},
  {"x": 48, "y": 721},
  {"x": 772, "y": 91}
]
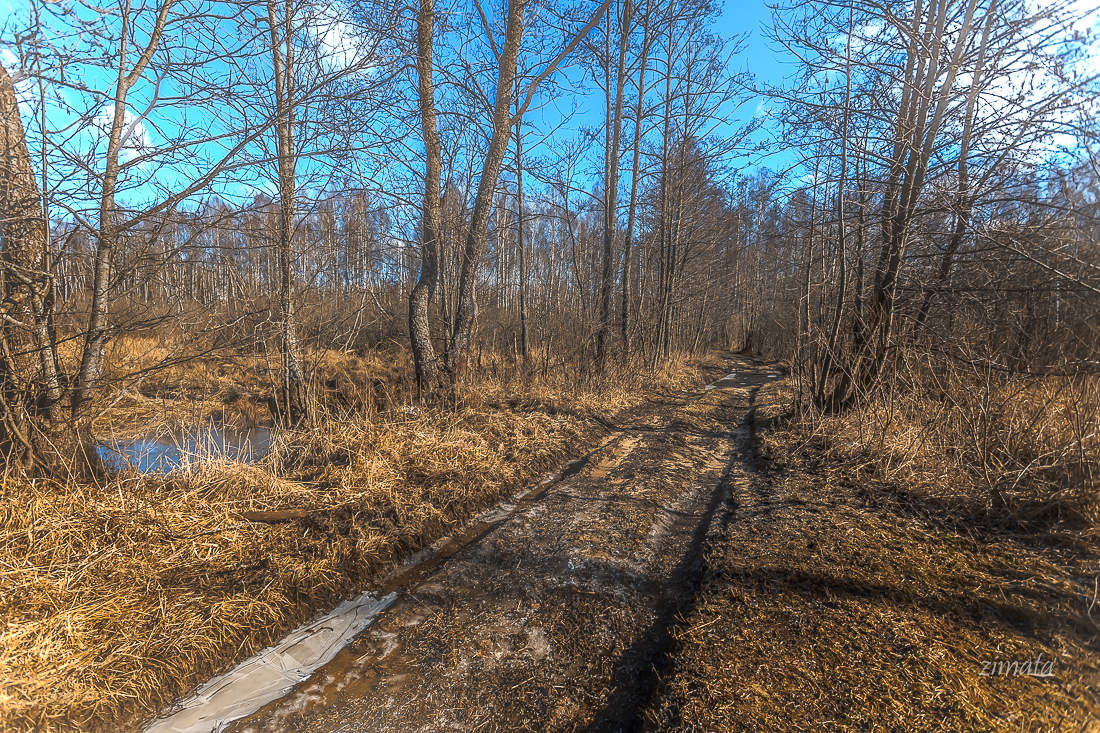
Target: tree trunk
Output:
[
  {"x": 95, "y": 337},
  {"x": 963, "y": 198},
  {"x": 612, "y": 136},
  {"x": 474, "y": 249},
  {"x": 628, "y": 245},
  {"x": 293, "y": 404},
  {"x": 420, "y": 336},
  {"x": 22, "y": 289},
  {"x": 521, "y": 243}
]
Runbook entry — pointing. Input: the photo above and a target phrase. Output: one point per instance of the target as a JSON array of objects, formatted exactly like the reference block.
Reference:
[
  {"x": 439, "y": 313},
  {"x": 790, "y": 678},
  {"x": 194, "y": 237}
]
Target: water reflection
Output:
[{"x": 164, "y": 453}]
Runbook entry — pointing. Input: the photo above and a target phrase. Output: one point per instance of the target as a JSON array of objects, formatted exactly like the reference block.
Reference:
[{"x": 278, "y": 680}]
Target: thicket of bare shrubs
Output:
[
  {"x": 947, "y": 310},
  {"x": 1014, "y": 451}
]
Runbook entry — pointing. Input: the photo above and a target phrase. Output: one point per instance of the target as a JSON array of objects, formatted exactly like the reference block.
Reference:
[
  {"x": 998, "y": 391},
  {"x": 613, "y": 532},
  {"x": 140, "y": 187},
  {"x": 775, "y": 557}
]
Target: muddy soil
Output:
[{"x": 557, "y": 611}]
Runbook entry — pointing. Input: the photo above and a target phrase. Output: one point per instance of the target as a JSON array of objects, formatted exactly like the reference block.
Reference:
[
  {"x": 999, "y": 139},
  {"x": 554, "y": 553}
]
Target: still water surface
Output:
[{"x": 164, "y": 453}]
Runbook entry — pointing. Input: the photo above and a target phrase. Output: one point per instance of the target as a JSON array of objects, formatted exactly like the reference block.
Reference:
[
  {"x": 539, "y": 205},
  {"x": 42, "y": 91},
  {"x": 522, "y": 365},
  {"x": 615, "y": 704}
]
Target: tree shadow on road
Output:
[{"x": 640, "y": 667}]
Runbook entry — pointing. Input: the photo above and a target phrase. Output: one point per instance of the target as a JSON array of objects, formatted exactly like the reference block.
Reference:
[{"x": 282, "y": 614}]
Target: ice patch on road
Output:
[
  {"x": 714, "y": 385},
  {"x": 273, "y": 672},
  {"x": 537, "y": 643}
]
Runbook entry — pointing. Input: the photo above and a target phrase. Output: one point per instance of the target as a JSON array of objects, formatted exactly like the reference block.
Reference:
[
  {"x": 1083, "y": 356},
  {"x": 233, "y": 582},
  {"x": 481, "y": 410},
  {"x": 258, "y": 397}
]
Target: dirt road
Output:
[{"x": 557, "y": 612}]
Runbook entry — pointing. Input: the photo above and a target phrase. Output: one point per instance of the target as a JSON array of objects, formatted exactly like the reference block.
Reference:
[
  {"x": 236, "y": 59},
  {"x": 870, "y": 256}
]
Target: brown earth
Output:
[
  {"x": 687, "y": 576},
  {"x": 557, "y": 616}
]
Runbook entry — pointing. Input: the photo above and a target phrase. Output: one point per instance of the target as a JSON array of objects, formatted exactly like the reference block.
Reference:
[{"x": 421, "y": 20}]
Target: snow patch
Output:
[
  {"x": 273, "y": 672},
  {"x": 714, "y": 385},
  {"x": 537, "y": 643}
]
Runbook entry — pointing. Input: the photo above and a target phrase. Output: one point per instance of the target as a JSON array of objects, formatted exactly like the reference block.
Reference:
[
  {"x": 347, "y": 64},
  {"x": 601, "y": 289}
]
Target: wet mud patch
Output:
[{"x": 527, "y": 626}]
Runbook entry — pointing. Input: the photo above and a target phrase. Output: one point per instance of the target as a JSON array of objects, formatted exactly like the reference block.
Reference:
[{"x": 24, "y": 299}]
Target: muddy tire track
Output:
[{"x": 557, "y": 612}]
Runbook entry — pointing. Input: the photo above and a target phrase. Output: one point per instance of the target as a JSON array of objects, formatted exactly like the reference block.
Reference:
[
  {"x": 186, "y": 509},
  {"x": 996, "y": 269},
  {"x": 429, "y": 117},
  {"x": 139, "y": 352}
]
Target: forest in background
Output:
[
  {"x": 407, "y": 235},
  {"x": 269, "y": 177}
]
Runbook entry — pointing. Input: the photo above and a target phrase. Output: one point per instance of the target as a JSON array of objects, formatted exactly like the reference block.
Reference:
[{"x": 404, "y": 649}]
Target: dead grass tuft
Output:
[
  {"x": 1017, "y": 452},
  {"x": 847, "y": 594},
  {"x": 118, "y": 597}
]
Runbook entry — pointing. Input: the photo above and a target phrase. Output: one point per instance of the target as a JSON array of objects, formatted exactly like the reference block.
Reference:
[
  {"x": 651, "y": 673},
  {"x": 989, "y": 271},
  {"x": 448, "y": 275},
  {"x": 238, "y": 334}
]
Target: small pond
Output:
[{"x": 166, "y": 452}]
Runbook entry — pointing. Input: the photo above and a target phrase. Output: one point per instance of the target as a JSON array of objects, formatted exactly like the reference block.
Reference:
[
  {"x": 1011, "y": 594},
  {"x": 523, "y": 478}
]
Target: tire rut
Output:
[{"x": 559, "y": 615}]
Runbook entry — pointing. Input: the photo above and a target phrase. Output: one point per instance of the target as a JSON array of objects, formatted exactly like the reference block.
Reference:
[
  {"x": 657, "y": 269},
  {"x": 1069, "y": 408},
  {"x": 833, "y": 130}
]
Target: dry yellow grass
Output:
[
  {"x": 1022, "y": 451},
  {"x": 118, "y": 597},
  {"x": 867, "y": 578}
]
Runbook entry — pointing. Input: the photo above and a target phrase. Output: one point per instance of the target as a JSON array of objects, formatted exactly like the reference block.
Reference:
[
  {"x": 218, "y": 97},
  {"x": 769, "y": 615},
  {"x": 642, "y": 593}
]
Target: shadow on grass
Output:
[{"x": 640, "y": 667}]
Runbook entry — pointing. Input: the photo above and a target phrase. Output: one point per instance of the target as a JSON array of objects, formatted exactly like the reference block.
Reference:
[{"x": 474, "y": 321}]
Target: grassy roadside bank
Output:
[
  {"x": 117, "y": 597},
  {"x": 864, "y": 583}
]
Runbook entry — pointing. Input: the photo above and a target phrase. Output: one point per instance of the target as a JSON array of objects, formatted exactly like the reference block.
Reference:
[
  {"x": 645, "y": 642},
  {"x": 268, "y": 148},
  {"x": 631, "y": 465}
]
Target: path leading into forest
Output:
[{"x": 557, "y": 610}]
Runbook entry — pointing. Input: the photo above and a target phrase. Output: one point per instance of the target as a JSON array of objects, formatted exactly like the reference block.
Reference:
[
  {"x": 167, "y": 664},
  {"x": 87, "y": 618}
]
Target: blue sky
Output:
[
  {"x": 768, "y": 64},
  {"x": 737, "y": 18},
  {"x": 753, "y": 17}
]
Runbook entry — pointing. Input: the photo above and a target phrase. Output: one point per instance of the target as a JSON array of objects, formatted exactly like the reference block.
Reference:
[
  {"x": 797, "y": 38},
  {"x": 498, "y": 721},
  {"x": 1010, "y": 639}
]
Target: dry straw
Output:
[
  {"x": 868, "y": 582},
  {"x": 118, "y": 597}
]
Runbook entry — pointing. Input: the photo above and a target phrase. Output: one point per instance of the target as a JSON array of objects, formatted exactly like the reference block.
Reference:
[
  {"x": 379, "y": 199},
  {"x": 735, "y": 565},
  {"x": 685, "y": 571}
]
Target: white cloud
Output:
[
  {"x": 1081, "y": 15},
  {"x": 136, "y": 139},
  {"x": 340, "y": 44},
  {"x": 1080, "y": 20},
  {"x": 337, "y": 42}
]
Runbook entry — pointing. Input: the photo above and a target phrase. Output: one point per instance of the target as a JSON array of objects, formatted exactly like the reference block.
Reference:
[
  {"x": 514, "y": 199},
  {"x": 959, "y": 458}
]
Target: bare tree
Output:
[
  {"x": 118, "y": 133},
  {"x": 281, "y": 22},
  {"x": 26, "y": 359},
  {"x": 500, "y": 131},
  {"x": 613, "y": 126},
  {"x": 420, "y": 335}
]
